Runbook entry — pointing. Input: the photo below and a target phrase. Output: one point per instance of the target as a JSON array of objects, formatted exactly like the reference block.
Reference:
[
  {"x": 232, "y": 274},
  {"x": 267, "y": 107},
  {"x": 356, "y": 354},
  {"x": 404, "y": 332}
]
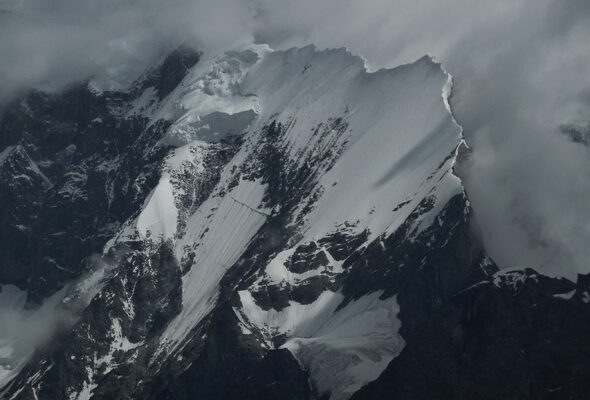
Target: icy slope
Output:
[
  {"x": 373, "y": 145},
  {"x": 276, "y": 224},
  {"x": 280, "y": 167},
  {"x": 398, "y": 131},
  {"x": 368, "y": 134}
]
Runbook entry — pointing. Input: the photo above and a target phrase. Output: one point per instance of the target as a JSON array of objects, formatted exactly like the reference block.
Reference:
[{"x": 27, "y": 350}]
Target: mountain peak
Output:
[{"x": 257, "y": 223}]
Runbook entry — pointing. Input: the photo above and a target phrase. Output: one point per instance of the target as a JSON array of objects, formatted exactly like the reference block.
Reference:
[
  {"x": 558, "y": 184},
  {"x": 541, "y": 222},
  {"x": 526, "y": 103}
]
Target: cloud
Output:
[
  {"x": 23, "y": 329},
  {"x": 520, "y": 69},
  {"x": 49, "y": 44},
  {"x": 516, "y": 83}
]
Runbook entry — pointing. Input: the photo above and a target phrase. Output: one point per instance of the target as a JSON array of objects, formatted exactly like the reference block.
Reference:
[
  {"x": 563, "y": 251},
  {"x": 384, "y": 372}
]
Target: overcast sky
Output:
[{"x": 521, "y": 68}]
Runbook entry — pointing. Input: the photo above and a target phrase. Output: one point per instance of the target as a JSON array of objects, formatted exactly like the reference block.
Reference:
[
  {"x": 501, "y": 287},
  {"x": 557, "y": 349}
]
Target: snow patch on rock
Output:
[
  {"x": 159, "y": 215},
  {"x": 342, "y": 348}
]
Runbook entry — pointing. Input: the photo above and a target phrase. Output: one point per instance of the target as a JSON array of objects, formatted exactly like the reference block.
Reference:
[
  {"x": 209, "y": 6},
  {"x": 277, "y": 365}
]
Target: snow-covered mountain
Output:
[{"x": 264, "y": 224}]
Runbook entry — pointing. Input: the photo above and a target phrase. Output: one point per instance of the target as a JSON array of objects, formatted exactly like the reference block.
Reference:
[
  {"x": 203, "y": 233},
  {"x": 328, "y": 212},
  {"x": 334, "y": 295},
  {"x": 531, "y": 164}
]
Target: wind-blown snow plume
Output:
[{"x": 520, "y": 71}]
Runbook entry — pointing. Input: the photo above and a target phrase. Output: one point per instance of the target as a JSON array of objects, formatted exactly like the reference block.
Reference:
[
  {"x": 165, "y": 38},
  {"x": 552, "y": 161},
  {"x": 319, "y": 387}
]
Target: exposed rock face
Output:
[
  {"x": 269, "y": 225},
  {"x": 76, "y": 166},
  {"x": 514, "y": 335}
]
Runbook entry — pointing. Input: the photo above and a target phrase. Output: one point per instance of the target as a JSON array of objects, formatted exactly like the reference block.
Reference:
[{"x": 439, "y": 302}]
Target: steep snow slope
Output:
[
  {"x": 398, "y": 131},
  {"x": 377, "y": 144},
  {"x": 277, "y": 224},
  {"x": 380, "y": 140},
  {"x": 282, "y": 165}
]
